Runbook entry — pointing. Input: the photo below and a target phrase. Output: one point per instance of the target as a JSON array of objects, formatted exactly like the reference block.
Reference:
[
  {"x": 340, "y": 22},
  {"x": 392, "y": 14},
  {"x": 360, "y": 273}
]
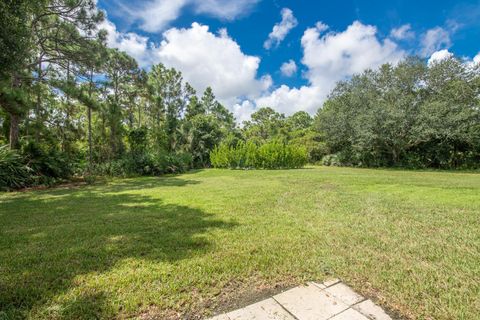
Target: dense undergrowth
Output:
[{"x": 272, "y": 155}]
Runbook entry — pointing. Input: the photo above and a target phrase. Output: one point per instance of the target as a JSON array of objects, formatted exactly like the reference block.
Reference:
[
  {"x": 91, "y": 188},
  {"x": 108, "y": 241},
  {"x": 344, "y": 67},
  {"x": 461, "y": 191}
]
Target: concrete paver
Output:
[
  {"x": 349, "y": 314},
  {"x": 331, "y": 282},
  {"x": 371, "y": 310},
  {"x": 220, "y": 317},
  {"x": 310, "y": 303},
  {"x": 267, "y": 309},
  {"x": 344, "y": 293},
  {"x": 330, "y": 300}
]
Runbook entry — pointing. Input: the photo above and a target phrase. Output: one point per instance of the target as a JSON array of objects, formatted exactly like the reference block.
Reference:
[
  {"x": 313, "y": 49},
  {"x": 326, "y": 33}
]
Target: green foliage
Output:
[
  {"x": 15, "y": 35},
  {"x": 148, "y": 164},
  {"x": 409, "y": 115},
  {"x": 14, "y": 174},
  {"x": 48, "y": 165},
  {"x": 313, "y": 142},
  {"x": 266, "y": 124},
  {"x": 138, "y": 141},
  {"x": 34, "y": 165},
  {"x": 331, "y": 160},
  {"x": 83, "y": 103},
  {"x": 271, "y": 155}
]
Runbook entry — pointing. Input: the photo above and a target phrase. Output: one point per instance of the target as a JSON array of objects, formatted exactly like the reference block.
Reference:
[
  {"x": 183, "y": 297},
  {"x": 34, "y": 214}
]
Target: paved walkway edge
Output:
[{"x": 331, "y": 299}]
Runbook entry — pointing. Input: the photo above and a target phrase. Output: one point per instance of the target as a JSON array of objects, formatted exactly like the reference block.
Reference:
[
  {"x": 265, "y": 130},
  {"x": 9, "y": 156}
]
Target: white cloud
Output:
[
  {"x": 288, "y": 68},
  {"x": 321, "y": 27},
  {"x": 135, "y": 45},
  {"x": 215, "y": 59},
  {"x": 290, "y": 100},
  {"x": 224, "y": 9},
  {"x": 438, "y": 56},
  {"x": 281, "y": 29},
  {"x": 476, "y": 59},
  {"x": 435, "y": 39},
  {"x": 472, "y": 63},
  {"x": 242, "y": 111},
  {"x": 332, "y": 57},
  {"x": 206, "y": 59},
  {"x": 156, "y": 15},
  {"x": 404, "y": 32}
]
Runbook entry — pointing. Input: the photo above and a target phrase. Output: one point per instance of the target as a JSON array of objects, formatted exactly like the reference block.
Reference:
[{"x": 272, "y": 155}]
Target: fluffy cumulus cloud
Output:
[
  {"x": 243, "y": 110},
  {"x": 135, "y": 45},
  {"x": 208, "y": 59},
  {"x": 476, "y": 59},
  {"x": 438, "y": 56},
  {"x": 334, "y": 56},
  {"x": 404, "y": 32},
  {"x": 215, "y": 59},
  {"x": 224, "y": 9},
  {"x": 281, "y": 29},
  {"x": 156, "y": 15},
  {"x": 330, "y": 57},
  {"x": 289, "y": 100},
  {"x": 435, "y": 39},
  {"x": 288, "y": 68},
  {"x": 204, "y": 58}
]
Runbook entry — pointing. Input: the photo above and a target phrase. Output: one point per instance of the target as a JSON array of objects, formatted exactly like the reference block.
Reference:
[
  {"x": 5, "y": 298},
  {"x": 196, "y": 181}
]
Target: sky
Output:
[{"x": 287, "y": 54}]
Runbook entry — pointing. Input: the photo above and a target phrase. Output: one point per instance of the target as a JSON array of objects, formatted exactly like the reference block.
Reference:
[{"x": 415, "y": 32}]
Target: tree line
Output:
[
  {"x": 70, "y": 105},
  {"x": 414, "y": 114}
]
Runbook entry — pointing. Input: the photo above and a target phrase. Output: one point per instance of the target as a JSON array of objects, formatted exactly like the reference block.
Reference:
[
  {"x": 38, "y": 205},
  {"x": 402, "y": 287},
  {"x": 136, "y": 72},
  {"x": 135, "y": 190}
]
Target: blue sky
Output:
[{"x": 287, "y": 54}]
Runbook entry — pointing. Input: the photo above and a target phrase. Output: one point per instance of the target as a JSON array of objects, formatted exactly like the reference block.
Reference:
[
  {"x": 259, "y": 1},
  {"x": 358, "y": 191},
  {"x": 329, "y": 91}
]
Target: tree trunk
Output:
[
  {"x": 139, "y": 115},
  {"x": 39, "y": 102},
  {"x": 14, "y": 130},
  {"x": 90, "y": 136},
  {"x": 89, "y": 114}
]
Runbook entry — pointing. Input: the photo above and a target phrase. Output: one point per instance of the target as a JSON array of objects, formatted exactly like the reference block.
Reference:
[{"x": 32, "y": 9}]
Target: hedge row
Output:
[{"x": 272, "y": 155}]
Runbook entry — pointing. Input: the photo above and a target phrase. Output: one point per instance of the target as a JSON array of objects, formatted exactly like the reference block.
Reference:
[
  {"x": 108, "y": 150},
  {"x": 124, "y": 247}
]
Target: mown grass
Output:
[{"x": 188, "y": 245}]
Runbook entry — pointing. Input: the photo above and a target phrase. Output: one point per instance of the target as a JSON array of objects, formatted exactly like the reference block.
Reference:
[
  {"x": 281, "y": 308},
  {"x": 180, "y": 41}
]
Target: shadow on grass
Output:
[{"x": 46, "y": 243}]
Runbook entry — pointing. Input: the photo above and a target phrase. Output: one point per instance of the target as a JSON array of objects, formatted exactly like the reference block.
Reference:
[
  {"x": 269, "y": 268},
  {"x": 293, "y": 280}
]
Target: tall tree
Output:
[{"x": 120, "y": 70}]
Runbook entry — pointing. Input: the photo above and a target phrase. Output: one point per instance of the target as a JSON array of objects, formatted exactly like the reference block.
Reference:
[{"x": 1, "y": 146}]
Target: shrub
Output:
[
  {"x": 47, "y": 164},
  {"x": 14, "y": 173},
  {"x": 219, "y": 157},
  {"x": 145, "y": 164},
  {"x": 113, "y": 168},
  {"x": 331, "y": 160},
  {"x": 171, "y": 163},
  {"x": 271, "y": 155},
  {"x": 90, "y": 178}
]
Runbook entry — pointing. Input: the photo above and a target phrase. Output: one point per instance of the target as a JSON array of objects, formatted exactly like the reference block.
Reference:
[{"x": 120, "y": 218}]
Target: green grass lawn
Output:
[{"x": 190, "y": 245}]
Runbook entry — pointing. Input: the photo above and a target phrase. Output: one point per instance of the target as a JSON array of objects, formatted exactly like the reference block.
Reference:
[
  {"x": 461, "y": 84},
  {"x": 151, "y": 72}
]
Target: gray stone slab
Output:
[
  {"x": 310, "y": 303},
  {"x": 349, "y": 314},
  {"x": 344, "y": 293},
  {"x": 320, "y": 285},
  {"x": 220, "y": 317},
  {"x": 371, "y": 310},
  {"x": 267, "y": 309},
  {"x": 331, "y": 282}
]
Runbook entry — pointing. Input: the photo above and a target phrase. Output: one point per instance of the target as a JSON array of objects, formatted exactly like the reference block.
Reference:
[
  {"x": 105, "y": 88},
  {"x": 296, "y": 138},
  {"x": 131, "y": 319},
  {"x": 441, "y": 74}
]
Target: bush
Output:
[
  {"x": 171, "y": 163},
  {"x": 14, "y": 174},
  {"x": 90, "y": 178},
  {"x": 34, "y": 165},
  {"x": 47, "y": 165},
  {"x": 271, "y": 155},
  {"x": 145, "y": 164},
  {"x": 331, "y": 160}
]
